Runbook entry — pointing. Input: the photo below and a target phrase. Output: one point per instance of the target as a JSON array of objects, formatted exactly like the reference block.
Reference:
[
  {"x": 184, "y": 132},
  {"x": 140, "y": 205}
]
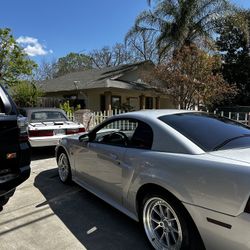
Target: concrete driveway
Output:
[{"x": 46, "y": 214}]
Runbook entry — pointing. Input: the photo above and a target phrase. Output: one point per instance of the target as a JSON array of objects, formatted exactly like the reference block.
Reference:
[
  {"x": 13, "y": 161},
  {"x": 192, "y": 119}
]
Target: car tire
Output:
[
  {"x": 167, "y": 225},
  {"x": 64, "y": 169}
]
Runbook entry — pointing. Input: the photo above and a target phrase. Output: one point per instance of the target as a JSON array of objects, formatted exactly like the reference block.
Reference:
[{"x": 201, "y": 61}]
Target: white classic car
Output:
[{"x": 48, "y": 125}]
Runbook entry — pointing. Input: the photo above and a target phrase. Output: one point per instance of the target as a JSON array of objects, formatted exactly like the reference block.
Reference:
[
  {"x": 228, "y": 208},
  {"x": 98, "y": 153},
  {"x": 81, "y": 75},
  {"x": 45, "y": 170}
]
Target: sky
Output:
[{"x": 49, "y": 29}]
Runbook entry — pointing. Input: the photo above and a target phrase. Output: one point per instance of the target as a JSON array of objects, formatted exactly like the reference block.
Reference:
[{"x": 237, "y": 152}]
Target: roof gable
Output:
[{"x": 116, "y": 77}]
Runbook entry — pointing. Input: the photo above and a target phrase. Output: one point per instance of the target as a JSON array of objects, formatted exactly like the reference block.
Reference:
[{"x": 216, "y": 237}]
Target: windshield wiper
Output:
[{"x": 229, "y": 140}]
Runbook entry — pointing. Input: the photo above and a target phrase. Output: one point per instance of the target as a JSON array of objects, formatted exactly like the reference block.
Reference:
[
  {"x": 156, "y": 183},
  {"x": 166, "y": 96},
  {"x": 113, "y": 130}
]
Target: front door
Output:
[{"x": 100, "y": 164}]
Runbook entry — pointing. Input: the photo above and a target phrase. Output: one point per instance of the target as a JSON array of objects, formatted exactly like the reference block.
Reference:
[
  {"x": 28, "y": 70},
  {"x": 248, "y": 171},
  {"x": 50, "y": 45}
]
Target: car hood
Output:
[{"x": 242, "y": 155}]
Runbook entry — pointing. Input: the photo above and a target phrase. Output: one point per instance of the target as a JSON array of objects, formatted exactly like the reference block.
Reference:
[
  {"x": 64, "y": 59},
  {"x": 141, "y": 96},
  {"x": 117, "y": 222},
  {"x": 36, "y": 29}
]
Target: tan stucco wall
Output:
[
  {"x": 132, "y": 96},
  {"x": 167, "y": 103},
  {"x": 92, "y": 97},
  {"x": 93, "y": 102}
]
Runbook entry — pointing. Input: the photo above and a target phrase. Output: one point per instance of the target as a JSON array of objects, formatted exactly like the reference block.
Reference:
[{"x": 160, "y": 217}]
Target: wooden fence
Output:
[
  {"x": 71, "y": 116},
  {"x": 98, "y": 117},
  {"x": 91, "y": 119},
  {"x": 242, "y": 117}
]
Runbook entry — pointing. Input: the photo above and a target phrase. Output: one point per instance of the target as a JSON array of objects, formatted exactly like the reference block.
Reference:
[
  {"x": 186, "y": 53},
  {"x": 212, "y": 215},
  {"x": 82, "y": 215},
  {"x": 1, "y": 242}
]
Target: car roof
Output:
[
  {"x": 155, "y": 113},
  {"x": 176, "y": 140}
]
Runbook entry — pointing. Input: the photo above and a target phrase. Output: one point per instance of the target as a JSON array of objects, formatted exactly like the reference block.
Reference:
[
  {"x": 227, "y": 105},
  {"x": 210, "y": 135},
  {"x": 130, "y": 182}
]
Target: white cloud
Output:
[
  {"x": 27, "y": 40},
  {"x": 32, "y": 46}
]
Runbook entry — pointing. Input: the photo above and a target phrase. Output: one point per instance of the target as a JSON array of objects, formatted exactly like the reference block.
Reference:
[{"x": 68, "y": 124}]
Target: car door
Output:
[
  {"x": 101, "y": 164},
  {"x": 8, "y": 133}
]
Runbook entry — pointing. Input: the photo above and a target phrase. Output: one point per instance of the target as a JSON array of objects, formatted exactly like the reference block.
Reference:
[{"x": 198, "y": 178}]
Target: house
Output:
[{"x": 107, "y": 89}]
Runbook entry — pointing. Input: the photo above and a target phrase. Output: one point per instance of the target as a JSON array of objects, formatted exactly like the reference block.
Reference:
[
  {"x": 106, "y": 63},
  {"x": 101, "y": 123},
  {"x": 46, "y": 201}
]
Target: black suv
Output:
[{"x": 14, "y": 148}]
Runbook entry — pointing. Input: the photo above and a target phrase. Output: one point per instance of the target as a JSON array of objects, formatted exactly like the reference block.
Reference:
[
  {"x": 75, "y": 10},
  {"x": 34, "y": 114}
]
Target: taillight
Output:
[
  {"x": 81, "y": 130},
  {"x": 247, "y": 208},
  {"x": 22, "y": 123},
  {"x": 74, "y": 131},
  {"x": 37, "y": 133}
]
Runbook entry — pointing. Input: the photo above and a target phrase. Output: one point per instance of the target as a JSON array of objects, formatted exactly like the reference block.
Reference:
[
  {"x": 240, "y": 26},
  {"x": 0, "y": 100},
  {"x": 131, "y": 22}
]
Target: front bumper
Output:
[
  {"x": 217, "y": 237},
  {"x": 8, "y": 183}
]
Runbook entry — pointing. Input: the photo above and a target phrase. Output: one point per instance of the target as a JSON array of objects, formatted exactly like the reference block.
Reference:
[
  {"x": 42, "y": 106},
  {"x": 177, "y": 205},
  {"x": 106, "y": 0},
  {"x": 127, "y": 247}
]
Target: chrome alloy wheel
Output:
[
  {"x": 63, "y": 167},
  {"x": 162, "y": 225}
]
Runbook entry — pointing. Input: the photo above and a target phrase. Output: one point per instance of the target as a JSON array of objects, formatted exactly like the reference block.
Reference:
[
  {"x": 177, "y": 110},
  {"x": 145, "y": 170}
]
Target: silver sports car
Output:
[{"x": 184, "y": 175}]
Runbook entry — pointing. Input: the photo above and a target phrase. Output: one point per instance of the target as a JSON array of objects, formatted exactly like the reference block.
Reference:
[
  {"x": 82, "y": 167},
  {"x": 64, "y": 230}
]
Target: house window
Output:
[
  {"x": 149, "y": 103},
  {"x": 116, "y": 102}
]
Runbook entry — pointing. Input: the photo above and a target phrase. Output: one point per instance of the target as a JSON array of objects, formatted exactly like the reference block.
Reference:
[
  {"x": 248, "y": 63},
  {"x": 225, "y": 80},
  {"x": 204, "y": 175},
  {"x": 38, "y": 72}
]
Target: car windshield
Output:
[
  {"x": 208, "y": 131},
  {"x": 39, "y": 116}
]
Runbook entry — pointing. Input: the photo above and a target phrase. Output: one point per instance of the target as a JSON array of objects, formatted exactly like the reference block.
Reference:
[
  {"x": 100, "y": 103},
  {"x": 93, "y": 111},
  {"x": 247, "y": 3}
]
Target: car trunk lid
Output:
[
  {"x": 51, "y": 123},
  {"x": 242, "y": 155},
  {"x": 51, "y": 128}
]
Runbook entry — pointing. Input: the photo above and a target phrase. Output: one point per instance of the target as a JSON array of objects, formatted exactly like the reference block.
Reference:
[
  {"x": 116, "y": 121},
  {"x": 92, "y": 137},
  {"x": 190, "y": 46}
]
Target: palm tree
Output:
[{"x": 179, "y": 23}]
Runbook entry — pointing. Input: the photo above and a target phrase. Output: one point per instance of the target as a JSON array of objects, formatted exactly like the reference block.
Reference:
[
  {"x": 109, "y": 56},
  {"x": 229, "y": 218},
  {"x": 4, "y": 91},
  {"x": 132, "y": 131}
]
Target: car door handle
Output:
[{"x": 113, "y": 157}]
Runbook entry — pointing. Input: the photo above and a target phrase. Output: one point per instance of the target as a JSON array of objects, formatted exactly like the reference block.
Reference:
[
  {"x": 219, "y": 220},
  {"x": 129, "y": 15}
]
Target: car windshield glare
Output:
[
  {"x": 47, "y": 116},
  {"x": 209, "y": 132}
]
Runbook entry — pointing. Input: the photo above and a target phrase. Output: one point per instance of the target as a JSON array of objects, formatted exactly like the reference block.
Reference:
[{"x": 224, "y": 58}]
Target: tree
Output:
[
  {"x": 142, "y": 46},
  {"x": 234, "y": 46},
  {"x": 14, "y": 63},
  {"x": 26, "y": 94},
  {"x": 108, "y": 57},
  {"x": 73, "y": 62},
  {"x": 46, "y": 70},
  {"x": 180, "y": 23},
  {"x": 191, "y": 78}
]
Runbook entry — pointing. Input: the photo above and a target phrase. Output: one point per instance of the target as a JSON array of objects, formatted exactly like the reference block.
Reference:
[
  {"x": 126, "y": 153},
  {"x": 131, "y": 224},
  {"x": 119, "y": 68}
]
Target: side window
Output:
[
  {"x": 118, "y": 132},
  {"x": 142, "y": 137},
  {"x": 126, "y": 133}
]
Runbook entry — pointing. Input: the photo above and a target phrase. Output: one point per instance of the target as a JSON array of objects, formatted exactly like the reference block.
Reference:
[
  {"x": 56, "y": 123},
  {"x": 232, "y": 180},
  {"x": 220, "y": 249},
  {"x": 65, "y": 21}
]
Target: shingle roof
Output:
[{"x": 96, "y": 78}]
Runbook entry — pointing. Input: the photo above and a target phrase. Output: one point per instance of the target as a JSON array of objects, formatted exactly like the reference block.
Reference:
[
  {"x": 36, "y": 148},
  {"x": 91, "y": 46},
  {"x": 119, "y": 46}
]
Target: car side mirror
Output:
[{"x": 84, "y": 138}]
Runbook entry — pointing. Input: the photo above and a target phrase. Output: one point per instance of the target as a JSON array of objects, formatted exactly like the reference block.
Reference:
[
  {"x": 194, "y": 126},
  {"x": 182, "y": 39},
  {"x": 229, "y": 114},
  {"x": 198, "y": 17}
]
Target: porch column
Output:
[
  {"x": 142, "y": 101},
  {"x": 108, "y": 105},
  {"x": 157, "y": 102}
]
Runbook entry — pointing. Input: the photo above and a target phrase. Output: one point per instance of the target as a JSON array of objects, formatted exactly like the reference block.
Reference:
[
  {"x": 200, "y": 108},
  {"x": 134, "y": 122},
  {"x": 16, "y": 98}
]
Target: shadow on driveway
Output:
[
  {"x": 93, "y": 222},
  {"x": 42, "y": 153}
]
